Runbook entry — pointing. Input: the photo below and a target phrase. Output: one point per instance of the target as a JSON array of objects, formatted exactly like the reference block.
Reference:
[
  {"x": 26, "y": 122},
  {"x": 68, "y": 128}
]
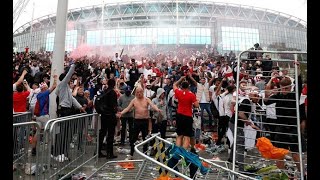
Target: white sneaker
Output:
[
  {"x": 71, "y": 145},
  {"x": 288, "y": 157},
  {"x": 59, "y": 158},
  {"x": 129, "y": 157},
  {"x": 65, "y": 158},
  {"x": 174, "y": 134},
  {"x": 215, "y": 158}
]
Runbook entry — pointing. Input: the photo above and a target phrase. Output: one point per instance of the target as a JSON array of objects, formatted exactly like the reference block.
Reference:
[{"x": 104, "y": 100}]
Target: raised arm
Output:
[
  {"x": 220, "y": 85},
  {"x": 26, "y": 85},
  {"x": 67, "y": 78},
  {"x": 54, "y": 85},
  {"x": 176, "y": 84},
  {"x": 192, "y": 79},
  {"x": 211, "y": 81},
  {"x": 20, "y": 80}
]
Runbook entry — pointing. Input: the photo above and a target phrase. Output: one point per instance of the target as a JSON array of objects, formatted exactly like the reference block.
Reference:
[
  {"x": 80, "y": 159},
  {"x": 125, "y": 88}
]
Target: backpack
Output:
[{"x": 100, "y": 104}]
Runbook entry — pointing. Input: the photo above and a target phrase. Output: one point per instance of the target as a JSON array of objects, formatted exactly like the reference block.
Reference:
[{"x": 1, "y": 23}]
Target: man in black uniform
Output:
[
  {"x": 286, "y": 119},
  {"x": 108, "y": 120}
]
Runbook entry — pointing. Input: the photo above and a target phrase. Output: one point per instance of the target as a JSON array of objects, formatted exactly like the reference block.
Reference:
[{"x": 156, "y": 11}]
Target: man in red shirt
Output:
[
  {"x": 20, "y": 98},
  {"x": 27, "y": 49},
  {"x": 184, "y": 113}
]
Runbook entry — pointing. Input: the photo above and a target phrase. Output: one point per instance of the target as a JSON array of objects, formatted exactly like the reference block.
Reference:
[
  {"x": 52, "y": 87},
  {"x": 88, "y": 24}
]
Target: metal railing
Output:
[
  {"x": 22, "y": 117},
  {"x": 281, "y": 138},
  {"x": 69, "y": 146},
  {"x": 64, "y": 146},
  {"x": 215, "y": 171},
  {"x": 25, "y": 163}
]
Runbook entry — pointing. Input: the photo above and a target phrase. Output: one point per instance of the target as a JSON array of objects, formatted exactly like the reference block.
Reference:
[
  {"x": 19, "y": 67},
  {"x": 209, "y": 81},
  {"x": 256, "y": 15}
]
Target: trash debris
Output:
[
  {"x": 123, "y": 150},
  {"x": 79, "y": 176},
  {"x": 126, "y": 165}
]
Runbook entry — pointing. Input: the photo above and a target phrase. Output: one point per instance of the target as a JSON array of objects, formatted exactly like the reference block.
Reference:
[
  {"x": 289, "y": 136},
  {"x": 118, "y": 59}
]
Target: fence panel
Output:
[
  {"x": 22, "y": 117},
  {"x": 276, "y": 112},
  {"x": 68, "y": 144},
  {"x": 25, "y": 163}
]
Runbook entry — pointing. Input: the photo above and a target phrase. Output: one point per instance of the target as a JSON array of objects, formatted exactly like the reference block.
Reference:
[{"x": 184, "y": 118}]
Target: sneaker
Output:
[
  {"x": 215, "y": 158},
  {"x": 71, "y": 145},
  {"x": 129, "y": 157},
  {"x": 174, "y": 134},
  {"x": 65, "y": 158},
  {"x": 59, "y": 158},
  {"x": 288, "y": 157}
]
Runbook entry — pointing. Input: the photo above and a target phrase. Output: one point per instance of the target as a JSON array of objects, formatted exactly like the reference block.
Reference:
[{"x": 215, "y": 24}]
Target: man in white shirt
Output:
[
  {"x": 126, "y": 72},
  {"x": 203, "y": 97},
  {"x": 116, "y": 58},
  {"x": 33, "y": 97},
  {"x": 226, "y": 115},
  {"x": 146, "y": 70},
  {"x": 147, "y": 91},
  {"x": 34, "y": 68}
]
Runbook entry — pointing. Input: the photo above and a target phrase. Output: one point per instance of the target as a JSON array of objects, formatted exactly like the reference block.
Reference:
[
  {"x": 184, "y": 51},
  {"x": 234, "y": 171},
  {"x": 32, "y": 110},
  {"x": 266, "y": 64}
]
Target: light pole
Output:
[
  {"x": 57, "y": 66},
  {"x": 101, "y": 27},
  {"x": 31, "y": 30}
]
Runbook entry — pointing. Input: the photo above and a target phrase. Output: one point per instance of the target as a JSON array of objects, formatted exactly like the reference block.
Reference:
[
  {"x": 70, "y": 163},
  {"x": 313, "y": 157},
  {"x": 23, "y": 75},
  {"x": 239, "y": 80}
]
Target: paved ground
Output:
[{"x": 112, "y": 170}]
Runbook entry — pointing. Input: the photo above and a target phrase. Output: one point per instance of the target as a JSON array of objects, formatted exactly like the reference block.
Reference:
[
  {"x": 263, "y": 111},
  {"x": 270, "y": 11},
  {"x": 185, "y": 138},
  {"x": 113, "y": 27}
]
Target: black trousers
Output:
[
  {"x": 158, "y": 127},
  {"x": 124, "y": 121},
  {"x": 139, "y": 125},
  {"x": 108, "y": 124},
  {"x": 271, "y": 127},
  {"x": 64, "y": 138},
  {"x": 222, "y": 128}
]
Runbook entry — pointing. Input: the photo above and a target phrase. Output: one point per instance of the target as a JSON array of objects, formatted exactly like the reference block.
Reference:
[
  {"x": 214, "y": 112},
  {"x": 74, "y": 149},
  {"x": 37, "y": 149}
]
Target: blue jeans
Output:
[{"x": 205, "y": 106}]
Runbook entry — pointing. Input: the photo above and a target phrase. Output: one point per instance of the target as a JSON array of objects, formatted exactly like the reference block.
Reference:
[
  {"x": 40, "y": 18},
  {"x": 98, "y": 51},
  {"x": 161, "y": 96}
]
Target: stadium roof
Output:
[{"x": 137, "y": 11}]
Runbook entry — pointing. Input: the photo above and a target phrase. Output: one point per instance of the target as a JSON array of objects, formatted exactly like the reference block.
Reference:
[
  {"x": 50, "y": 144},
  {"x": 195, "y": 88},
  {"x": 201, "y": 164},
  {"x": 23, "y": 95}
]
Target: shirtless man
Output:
[{"x": 141, "y": 118}]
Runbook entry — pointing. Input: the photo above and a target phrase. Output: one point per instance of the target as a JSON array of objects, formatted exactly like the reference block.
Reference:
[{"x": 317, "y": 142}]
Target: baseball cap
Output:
[{"x": 128, "y": 88}]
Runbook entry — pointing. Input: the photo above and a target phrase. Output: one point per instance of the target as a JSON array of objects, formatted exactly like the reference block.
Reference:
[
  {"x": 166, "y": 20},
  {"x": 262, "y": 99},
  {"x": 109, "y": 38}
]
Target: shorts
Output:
[
  {"x": 184, "y": 125},
  {"x": 42, "y": 120},
  {"x": 288, "y": 141}
]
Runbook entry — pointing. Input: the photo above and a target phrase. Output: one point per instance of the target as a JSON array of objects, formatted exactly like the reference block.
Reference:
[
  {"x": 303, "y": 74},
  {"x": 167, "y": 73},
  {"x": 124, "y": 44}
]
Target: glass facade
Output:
[
  {"x": 158, "y": 35},
  {"x": 237, "y": 36},
  {"x": 36, "y": 41},
  {"x": 70, "y": 42},
  {"x": 238, "y": 39}
]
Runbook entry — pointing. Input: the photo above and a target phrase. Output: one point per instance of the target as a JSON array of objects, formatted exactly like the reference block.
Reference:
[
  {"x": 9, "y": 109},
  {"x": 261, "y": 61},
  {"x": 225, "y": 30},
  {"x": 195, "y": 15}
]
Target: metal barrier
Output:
[
  {"x": 67, "y": 145},
  {"x": 25, "y": 164},
  {"x": 22, "y": 117},
  {"x": 283, "y": 130},
  {"x": 43, "y": 144},
  {"x": 150, "y": 165}
]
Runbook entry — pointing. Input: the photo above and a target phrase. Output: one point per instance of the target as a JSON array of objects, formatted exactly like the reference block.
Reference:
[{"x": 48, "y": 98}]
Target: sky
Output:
[{"x": 297, "y": 8}]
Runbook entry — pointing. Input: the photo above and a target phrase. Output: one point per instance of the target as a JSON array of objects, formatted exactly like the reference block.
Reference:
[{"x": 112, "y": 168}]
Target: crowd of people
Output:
[{"x": 163, "y": 89}]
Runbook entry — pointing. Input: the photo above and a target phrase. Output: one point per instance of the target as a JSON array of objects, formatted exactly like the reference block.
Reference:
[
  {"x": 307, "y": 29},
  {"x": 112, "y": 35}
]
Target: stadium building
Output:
[{"x": 225, "y": 27}]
